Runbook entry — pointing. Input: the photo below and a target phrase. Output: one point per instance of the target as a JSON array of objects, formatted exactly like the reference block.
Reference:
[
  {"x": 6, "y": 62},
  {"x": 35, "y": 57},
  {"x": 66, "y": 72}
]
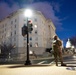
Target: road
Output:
[
  {"x": 69, "y": 60},
  {"x": 43, "y": 61}
]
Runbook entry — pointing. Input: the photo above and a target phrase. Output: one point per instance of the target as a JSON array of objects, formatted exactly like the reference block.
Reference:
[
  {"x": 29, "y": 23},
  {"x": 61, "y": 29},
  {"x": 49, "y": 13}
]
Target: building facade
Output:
[{"x": 39, "y": 39}]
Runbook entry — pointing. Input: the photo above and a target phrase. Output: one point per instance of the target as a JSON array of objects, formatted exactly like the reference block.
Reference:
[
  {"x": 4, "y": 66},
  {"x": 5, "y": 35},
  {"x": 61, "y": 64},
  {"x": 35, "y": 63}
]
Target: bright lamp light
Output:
[{"x": 28, "y": 13}]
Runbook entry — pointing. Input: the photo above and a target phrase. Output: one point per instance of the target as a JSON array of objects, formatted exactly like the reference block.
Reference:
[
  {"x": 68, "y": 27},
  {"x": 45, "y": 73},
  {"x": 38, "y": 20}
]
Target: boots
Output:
[
  {"x": 63, "y": 64},
  {"x": 56, "y": 63}
]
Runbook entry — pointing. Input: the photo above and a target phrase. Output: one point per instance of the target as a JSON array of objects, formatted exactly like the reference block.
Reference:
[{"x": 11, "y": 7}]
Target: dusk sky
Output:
[{"x": 61, "y": 12}]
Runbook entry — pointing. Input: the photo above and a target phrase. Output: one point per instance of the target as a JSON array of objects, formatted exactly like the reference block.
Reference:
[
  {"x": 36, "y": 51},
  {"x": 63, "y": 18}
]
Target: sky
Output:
[{"x": 61, "y": 12}]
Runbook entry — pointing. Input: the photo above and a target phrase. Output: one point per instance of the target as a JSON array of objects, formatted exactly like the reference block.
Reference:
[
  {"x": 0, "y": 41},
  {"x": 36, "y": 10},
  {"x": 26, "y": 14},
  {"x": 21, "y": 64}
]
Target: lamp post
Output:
[{"x": 28, "y": 14}]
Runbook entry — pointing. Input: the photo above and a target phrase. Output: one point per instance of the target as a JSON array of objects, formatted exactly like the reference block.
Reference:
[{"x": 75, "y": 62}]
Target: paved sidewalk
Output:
[{"x": 36, "y": 70}]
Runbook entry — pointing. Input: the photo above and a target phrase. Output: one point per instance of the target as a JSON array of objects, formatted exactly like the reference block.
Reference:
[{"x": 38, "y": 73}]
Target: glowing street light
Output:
[
  {"x": 72, "y": 47},
  {"x": 28, "y": 14}
]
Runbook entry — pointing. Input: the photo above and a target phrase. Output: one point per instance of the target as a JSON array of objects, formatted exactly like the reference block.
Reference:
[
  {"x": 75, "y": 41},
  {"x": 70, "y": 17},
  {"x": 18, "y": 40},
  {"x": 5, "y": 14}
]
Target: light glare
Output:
[{"x": 28, "y": 13}]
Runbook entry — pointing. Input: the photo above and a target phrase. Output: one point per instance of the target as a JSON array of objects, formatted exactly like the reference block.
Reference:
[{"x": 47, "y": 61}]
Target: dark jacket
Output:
[{"x": 57, "y": 45}]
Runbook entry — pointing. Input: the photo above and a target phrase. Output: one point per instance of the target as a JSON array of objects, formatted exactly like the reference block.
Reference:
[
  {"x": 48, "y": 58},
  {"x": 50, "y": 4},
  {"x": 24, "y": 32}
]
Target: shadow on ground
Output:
[
  {"x": 37, "y": 65},
  {"x": 71, "y": 68}
]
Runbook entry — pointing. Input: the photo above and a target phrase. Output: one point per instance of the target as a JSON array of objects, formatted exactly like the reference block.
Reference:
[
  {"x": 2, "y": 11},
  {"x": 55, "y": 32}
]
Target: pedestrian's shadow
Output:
[
  {"x": 37, "y": 65},
  {"x": 71, "y": 68}
]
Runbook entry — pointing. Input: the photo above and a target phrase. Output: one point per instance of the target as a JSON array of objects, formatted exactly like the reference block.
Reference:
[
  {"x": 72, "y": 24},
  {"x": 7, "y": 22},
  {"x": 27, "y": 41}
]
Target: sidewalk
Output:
[{"x": 36, "y": 70}]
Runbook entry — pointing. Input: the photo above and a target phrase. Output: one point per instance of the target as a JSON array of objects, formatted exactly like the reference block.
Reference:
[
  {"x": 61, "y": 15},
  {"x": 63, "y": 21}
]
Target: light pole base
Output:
[{"x": 28, "y": 62}]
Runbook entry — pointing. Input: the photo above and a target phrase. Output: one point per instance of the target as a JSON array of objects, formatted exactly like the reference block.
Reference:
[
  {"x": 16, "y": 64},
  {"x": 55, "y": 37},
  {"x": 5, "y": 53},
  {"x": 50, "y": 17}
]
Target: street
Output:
[
  {"x": 68, "y": 59},
  {"x": 71, "y": 61}
]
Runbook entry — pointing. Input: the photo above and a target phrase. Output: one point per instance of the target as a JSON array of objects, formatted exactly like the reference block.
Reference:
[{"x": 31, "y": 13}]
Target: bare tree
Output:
[{"x": 5, "y": 50}]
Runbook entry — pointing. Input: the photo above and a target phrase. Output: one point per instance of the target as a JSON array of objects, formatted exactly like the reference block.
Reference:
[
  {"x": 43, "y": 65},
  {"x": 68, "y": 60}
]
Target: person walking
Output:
[{"x": 57, "y": 47}]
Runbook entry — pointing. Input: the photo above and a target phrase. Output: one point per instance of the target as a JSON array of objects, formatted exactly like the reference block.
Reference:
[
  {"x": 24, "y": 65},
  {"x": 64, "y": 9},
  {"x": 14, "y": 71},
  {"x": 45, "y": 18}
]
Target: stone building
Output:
[{"x": 39, "y": 39}]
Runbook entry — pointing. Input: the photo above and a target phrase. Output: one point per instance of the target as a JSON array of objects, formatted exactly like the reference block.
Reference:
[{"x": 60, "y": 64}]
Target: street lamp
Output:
[{"x": 28, "y": 14}]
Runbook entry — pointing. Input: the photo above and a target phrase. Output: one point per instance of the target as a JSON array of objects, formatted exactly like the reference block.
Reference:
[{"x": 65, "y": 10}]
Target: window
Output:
[
  {"x": 30, "y": 38},
  {"x": 11, "y": 22},
  {"x": 15, "y": 25},
  {"x": 35, "y": 20},
  {"x": 36, "y": 32},
  {"x": 30, "y": 44},
  {"x": 36, "y": 44},
  {"x": 24, "y": 44},
  {"x": 5, "y": 25},
  {"x": 5, "y": 29},
  {"x": 15, "y": 32},
  {"x": 5, "y": 35},
  {"x": 11, "y": 33},
  {"x": 14, "y": 39},
  {"x": 15, "y": 20}
]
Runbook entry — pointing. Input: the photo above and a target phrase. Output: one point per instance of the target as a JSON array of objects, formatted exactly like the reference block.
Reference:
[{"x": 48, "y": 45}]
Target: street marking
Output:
[
  {"x": 51, "y": 62},
  {"x": 41, "y": 62}
]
